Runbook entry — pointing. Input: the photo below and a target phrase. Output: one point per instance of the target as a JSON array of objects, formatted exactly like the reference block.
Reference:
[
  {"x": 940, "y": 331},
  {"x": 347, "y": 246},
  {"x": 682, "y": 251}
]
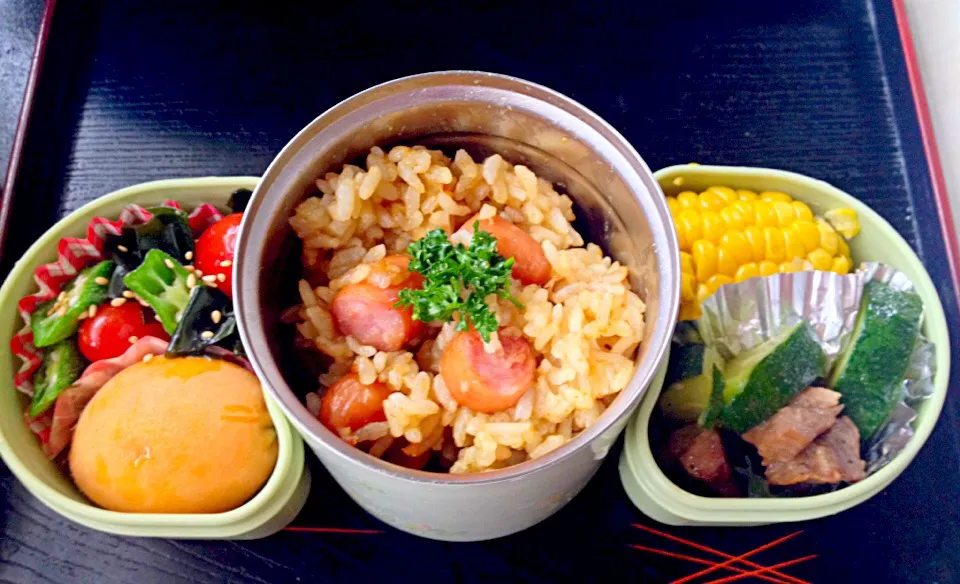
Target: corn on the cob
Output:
[{"x": 729, "y": 235}]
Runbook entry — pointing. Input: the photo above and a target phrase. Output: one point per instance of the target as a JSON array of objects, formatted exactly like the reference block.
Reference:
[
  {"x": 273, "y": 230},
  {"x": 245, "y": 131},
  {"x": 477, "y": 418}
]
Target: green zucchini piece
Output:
[
  {"x": 59, "y": 319},
  {"x": 869, "y": 374},
  {"x": 710, "y": 415},
  {"x": 762, "y": 380},
  {"x": 688, "y": 397},
  {"x": 61, "y": 367},
  {"x": 162, "y": 283}
]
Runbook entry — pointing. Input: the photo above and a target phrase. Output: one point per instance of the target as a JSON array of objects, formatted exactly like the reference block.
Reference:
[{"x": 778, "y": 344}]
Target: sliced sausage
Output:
[
  {"x": 367, "y": 310},
  {"x": 530, "y": 264},
  {"x": 487, "y": 382},
  {"x": 348, "y": 404}
]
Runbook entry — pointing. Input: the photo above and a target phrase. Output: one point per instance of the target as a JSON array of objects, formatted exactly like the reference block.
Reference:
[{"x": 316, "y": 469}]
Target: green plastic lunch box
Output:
[
  {"x": 270, "y": 510},
  {"x": 646, "y": 484}
]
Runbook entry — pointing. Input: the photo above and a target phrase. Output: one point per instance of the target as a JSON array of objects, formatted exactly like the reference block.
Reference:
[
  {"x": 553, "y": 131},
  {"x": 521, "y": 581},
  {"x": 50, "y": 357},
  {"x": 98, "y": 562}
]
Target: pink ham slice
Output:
[{"x": 70, "y": 404}]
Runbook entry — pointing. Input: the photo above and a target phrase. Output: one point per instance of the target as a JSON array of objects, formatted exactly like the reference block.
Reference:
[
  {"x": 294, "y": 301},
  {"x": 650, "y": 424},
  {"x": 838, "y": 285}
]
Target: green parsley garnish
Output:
[{"x": 457, "y": 280}]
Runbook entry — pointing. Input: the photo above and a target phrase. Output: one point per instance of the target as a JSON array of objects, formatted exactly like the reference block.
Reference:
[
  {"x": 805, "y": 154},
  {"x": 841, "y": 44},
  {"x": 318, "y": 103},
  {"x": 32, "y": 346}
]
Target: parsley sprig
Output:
[{"x": 457, "y": 280}]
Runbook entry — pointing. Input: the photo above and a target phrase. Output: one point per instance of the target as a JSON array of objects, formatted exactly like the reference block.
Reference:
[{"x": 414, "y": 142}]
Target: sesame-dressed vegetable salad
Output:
[{"x": 166, "y": 279}]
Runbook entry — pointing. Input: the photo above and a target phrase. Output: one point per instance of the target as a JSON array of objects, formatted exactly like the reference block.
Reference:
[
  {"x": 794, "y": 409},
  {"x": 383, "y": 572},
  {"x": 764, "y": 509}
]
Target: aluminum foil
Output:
[{"x": 740, "y": 316}]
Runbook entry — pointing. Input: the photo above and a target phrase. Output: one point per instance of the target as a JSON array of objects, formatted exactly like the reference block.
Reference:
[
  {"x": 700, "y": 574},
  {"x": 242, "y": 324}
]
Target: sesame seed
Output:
[
  {"x": 128, "y": 294},
  {"x": 82, "y": 316},
  {"x": 92, "y": 311},
  {"x": 118, "y": 302},
  {"x": 678, "y": 181},
  {"x": 191, "y": 281},
  {"x": 215, "y": 316},
  {"x": 198, "y": 272},
  {"x": 212, "y": 284},
  {"x": 188, "y": 256},
  {"x": 206, "y": 335},
  {"x": 61, "y": 296},
  {"x": 226, "y": 264},
  {"x": 62, "y": 311},
  {"x": 178, "y": 315},
  {"x": 122, "y": 248},
  {"x": 147, "y": 357},
  {"x": 101, "y": 280},
  {"x": 143, "y": 303},
  {"x": 189, "y": 267},
  {"x": 210, "y": 279},
  {"x": 168, "y": 262},
  {"x": 133, "y": 339},
  {"x": 221, "y": 277}
]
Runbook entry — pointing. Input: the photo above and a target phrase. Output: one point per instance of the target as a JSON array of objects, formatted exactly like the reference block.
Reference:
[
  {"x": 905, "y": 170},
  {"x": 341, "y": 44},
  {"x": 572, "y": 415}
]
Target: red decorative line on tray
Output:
[
  {"x": 733, "y": 560},
  {"x": 73, "y": 255},
  {"x": 759, "y": 571},
  {"x": 754, "y": 573},
  {"x": 334, "y": 530}
]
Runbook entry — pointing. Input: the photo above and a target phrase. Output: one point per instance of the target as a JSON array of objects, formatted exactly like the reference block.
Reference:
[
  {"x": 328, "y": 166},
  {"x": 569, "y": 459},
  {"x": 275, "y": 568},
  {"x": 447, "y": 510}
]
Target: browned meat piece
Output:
[
  {"x": 832, "y": 458},
  {"x": 700, "y": 453},
  {"x": 809, "y": 414}
]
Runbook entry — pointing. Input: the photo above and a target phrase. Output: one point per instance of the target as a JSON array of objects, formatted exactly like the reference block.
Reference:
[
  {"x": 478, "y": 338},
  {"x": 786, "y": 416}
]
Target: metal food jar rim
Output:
[{"x": 510, "y": 92}]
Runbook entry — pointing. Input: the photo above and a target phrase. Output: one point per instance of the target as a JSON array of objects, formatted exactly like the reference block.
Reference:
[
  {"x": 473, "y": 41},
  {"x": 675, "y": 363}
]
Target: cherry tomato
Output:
[
  {"x": 107, "y": 334},
  {"x": 367, "y": 311},
  {"x": 216, "y": 246},
  {"x": 350, "y": 404},
  {"x": 530, "y": 264},
  {"x": 487, "y": 382}
]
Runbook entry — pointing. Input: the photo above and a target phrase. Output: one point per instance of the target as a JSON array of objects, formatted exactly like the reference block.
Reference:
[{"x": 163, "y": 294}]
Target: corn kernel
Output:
[
  {"x": 791, "y": 266},
  {"x": 841, "y": 265},
  {"x": 688, "y": 228},
  {"x": 746, "y": 271},
  {"x": 686, "y": 263},
  {"x": 768, "y": 268},
  {"x": 754, "y": 237},
  {"x": 807, "y": 265},
  {"x": 726, "y": 263},
  {"x": 808, "y": 232},
  {"x": 733, "y": 218},
  {"x": 844, "y": 221},
  {"x": 821, "y": 259},
  {"x": 688, "y": 200},
  {"x": 674, "y": 207},
  {"x": 705, "y": 259},
  {"x": 688, "y": 287},
  {"x": 713, "y": 225},
  {"x": 802, "y": 211},
  {"x": 843, "y": 249},
  {"x": 763, "y": 211},
  {"x": 690, "y": 311},
  {"x": 718, "y": 280},
  {"x": 747, "y": 195},
  {"x": 703, "y": 293},
  {"x": 794, "y": 246},
  {"x": 774, "y": 196},
  {"x": 710, "y": 201},
  {"x": 736, "y": 245},
  {"x": 775, "y": 249},
  {"x": 829, "y": 240},
  {"x": 726, "y": 194},
  {"x": 746, "y": 209},
  {"x": 784, "y": 212}
]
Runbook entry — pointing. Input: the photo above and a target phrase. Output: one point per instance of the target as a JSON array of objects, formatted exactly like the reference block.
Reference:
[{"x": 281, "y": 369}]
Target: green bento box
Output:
[
  {"x": 657, "y": 496},
  {"x": 270, "y": 510}
]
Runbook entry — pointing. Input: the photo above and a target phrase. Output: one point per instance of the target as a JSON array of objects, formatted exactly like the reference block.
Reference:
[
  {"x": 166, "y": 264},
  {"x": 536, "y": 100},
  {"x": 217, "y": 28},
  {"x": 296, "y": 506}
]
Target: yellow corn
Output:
[
  {"x": 730, "y": 235},
  {"x": 844, "y": 221}
]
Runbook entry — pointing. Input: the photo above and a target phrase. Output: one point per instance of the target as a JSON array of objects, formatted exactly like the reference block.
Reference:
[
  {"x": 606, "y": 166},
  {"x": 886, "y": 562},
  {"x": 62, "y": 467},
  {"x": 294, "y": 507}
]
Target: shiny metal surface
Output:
[{"x": 619, "y": 206}]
